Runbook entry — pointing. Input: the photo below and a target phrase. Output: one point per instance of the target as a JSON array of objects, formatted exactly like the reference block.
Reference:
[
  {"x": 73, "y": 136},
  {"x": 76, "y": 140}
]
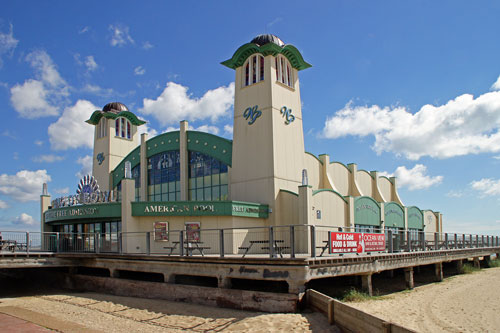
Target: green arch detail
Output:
[
  {"x": 314, "y": 157},
  {"x": 394, "y": 219},
  {"x": 345, "y": 166},
  {"x": 366, "y": 211},
  {"x": 415, "y": 218},
  {"x": 289, "y": 51},
  {"x": 329, "y": 190},
  {"x": 119, "y": 172},
  {"x": 97, "y": 115},
  {"x": 162, "y": 143},
  {"x": 211, "y": 145},
  {"x": 390, "y": 181}
]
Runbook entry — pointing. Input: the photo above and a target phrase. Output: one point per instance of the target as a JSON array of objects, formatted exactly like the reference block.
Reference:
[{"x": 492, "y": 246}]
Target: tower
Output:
[
  {"x": 268, "y": 138},
  {"x": 115, "y": 135}
]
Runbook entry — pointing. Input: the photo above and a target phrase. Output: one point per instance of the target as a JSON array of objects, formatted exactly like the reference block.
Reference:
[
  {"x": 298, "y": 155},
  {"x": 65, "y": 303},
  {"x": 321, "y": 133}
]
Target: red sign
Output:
[{"x": 355, "y": 242}]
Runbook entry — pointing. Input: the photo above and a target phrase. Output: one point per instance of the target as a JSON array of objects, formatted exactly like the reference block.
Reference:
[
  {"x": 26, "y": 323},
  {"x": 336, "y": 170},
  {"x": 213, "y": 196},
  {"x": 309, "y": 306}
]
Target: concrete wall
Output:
[
  {"x": 385, "y": 188},
  {"x": 314, "y": 170},
  {"x": 364, "y": 180},
  {"x": 339, "y": 174}
]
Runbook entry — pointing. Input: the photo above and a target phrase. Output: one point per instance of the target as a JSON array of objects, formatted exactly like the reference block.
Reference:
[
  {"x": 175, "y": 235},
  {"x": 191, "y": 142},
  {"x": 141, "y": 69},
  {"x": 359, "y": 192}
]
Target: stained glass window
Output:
[
  {"x": 164, "y": 177},
  {"x": 208, "y": 178}
]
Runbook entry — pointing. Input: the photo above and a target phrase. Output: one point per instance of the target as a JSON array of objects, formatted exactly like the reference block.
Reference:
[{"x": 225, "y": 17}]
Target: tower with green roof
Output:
[{"x": 268, "y": 138}]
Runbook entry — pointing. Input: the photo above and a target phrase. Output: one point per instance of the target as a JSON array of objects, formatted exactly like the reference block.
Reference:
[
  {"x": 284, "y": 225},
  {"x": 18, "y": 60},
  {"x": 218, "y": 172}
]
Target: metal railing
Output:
[{"x": 274, "y": 242}]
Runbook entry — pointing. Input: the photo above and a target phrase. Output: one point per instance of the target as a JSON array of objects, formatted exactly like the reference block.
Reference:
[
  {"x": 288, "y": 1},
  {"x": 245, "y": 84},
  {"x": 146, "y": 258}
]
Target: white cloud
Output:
[
  {"x": 3, "y": 205},
  {"x": 208, "y": 129},
  {"x": 9, "y": 134},
  {"x": 145, "y": 129},
  {"x": 37, "y": 98},
  {"x": 120, "y": 35},
  {"x": 455, "y": 194},
  {"x": 45, "y": 68},
  {"x": 99, "y": 91},
  {"x": 174, "y": 104},
  {"x": 84, "y": 30},
  {"x": 50, "y": 158},
  {"x": 487, "y": 186},
  {"x": 38, "y": 142},
  {"x": 462, "y": 126},
  {"x": 71, "y": 130},
  {"x": 147, "y": 45},
  {"x": 228, "y": 129},
  {"x": 7, "y": 44},
  {"x": 86, "y": 163},
  {"x": 24, "y": 220},
  {"x": 496, "y": 86},
  {"x": 30, "y": 100},
  {"x": 90, "y": 63},
  {"x": 139, "y": 70},
  {"x": 415, "y": 178},
  {"x": 64, "y": 190},
  {"x": 497, "y": 157},
  {"x": 25, "y": 185}
]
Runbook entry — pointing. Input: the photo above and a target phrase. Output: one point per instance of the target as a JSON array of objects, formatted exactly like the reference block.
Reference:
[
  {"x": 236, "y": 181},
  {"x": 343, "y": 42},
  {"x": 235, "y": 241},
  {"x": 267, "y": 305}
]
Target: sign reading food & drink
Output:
[{"x": 356, "y": 242}]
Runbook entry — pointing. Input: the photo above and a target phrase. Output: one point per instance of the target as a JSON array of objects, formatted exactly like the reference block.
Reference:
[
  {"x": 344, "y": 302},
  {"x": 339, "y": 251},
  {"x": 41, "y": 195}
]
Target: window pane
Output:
[
  {"x": 199, "y": 194},
  {"x": 261, "y": 68},
  {"x": 171, "y": 196},
  {"x": 199, "y": 182},
  {"x": 117, "y": 127},
  {"x": 215, "y": 179},
  {"x": 207, "y": 181},
  {"x": 254, "y": 69},
  {"x": 223, "y": 192},
  {"x": 208, "y": 193},
  {"x": 215, "y": 193},
  {"x": 128, "y": 130},
  {"x": 223, "y": 178}
]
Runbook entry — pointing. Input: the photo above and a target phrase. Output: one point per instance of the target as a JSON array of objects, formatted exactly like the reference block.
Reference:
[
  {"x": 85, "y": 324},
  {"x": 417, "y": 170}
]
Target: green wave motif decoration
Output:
[
  {"x": 98, "y": 114},
  {"x": 289, "y": 51}
]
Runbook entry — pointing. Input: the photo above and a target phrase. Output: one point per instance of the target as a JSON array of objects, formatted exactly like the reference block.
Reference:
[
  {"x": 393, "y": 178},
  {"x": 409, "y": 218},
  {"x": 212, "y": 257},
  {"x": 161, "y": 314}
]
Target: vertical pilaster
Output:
[
  {"x": 305, "y": 202},
  {"x": 143, "y": 194},
  {"x": 366, "y": 284},
  {"x": 377, "y": 195},
  {"x": 128, "y": 221},
  {"x": 350, "y": 216},
  {"x": 44, "y": 205},
  {"x": 325, "y": 181},
  {"x": 438, "y": 269},
  {"x": 353, "y": 184},
  {"x": 410, "y": 283},
  {"x": 183, "y": 159}
]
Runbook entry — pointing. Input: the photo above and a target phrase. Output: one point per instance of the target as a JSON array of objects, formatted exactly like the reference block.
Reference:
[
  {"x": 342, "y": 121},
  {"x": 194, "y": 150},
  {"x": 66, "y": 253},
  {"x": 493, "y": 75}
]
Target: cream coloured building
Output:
[{"x": 264, "y": 177}]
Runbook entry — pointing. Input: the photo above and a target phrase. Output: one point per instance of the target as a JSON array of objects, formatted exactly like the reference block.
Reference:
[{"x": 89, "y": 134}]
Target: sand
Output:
[
  {"x": 462, "y": 303},
  {"x": 107, "y": 313}
]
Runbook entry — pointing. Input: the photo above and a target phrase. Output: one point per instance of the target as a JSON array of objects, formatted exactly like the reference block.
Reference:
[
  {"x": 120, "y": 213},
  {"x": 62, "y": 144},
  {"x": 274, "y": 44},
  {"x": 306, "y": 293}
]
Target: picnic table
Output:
[
  {"x": 189, "y": 246},
  {"x": 323, "y": 247},
  {"x": 11, "y": 245},
  {"x": 277, "y": 246}
]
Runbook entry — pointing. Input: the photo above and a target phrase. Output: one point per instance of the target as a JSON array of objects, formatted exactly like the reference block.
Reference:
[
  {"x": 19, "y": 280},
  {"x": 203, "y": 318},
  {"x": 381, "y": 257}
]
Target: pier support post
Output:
[
  {"x": 486, "y": 261},
  {"x": 296, "y": 287},
  {"x": 169, "y": 278},
  {"x": 224, "y": 282},
  {"x": 460, "y": 266},
  {"x": 366, "y": 284},
  {"x": 438, "y": 269},
  {"x": 477, "y": 264},
  {"x": 410, "y": 283}
]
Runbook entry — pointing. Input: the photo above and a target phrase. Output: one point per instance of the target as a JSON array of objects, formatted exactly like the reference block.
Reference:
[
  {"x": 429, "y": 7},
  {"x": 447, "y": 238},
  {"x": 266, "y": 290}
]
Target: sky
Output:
[{"x": 410, "y": 89}]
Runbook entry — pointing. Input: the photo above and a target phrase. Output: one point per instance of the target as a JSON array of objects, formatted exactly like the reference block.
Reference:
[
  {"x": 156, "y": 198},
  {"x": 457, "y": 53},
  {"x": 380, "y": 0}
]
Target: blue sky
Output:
[{"x": 405, "y": 88}]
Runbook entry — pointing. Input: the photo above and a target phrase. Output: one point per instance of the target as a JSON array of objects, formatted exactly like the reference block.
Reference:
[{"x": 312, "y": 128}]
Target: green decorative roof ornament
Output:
[
  {"x": 267, "y": 45},
  {"x": 113, "y": 111}
]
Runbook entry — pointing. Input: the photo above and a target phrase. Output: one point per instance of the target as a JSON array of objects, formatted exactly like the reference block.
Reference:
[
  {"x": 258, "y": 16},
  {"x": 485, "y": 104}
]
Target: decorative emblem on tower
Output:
[
  {"x": 252, "y": 113},
  {"x": 287, "y": 114},
  {"x": 88, "y": 185},
  {"x": 100, "y": 158}
]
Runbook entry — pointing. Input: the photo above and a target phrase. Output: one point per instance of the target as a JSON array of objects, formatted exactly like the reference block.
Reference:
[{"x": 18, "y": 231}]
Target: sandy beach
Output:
[
  {"x": 461, "y": 303},
  {"x": 106, "y": 313}
]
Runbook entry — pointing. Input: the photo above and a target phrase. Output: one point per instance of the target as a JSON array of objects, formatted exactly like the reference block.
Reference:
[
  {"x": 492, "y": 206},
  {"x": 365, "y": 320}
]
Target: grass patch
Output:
[
  {"x": 469, "y": 268},
  {"x": 354, "y": 295},
  {"x": 494, "y": 263}
]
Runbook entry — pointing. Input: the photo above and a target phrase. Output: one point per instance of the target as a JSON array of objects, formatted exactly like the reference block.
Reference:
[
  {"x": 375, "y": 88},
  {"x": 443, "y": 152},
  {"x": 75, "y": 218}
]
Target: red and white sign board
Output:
[{"x": 356, "y": 242}]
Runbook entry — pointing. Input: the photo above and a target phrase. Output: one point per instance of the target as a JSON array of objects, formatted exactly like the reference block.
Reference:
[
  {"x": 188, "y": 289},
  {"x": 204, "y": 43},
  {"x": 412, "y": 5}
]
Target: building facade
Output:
[{"x": 190, "y": 180}]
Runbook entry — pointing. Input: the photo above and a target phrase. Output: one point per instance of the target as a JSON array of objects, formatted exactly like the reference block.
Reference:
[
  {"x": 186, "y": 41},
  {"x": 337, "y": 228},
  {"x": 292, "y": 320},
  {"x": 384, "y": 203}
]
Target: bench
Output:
[
  {"x": 278, "y": 249},
  {"x": 246, "y": 248},
  {"x": 323, "y": 248}
]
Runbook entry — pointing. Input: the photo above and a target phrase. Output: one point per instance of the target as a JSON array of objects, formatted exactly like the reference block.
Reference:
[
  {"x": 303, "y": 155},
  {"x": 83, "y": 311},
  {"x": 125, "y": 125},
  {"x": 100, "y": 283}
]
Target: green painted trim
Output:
[
  {"x": 289, "y": 51},
  {"x": 200, "y": 208},
  {"x": 290, "y": 192},
  {"x": 413, "y": 220},
  {"x": 363, "y": 215},
  {"x": 315, "y": 157},
  {"x": 211, "y": 145},
  {"x": 84, "y": 212},
  {"x": 328, "y": 190},
  {"x": 345, "y": 166},
  {"x": 97, "y": 115},
  {"x": 387, "y": 179},
  {"x": 119, "y": 172},
  {"x": 162, "y": 143},
  {"x": 394, "y": 221},
  {"x": 367, "y": 173}
]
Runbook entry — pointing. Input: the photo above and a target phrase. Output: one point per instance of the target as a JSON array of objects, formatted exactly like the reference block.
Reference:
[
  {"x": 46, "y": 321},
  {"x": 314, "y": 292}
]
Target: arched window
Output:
[
  {"x": 254, "y": 70},
  {"x": 208, "y": 178},
  {"x": 164, "y": 177},
  {"x": 284, "y": 73},
  {"x": 123, "y": 129},
  {"x": 101, "y": 128}
]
